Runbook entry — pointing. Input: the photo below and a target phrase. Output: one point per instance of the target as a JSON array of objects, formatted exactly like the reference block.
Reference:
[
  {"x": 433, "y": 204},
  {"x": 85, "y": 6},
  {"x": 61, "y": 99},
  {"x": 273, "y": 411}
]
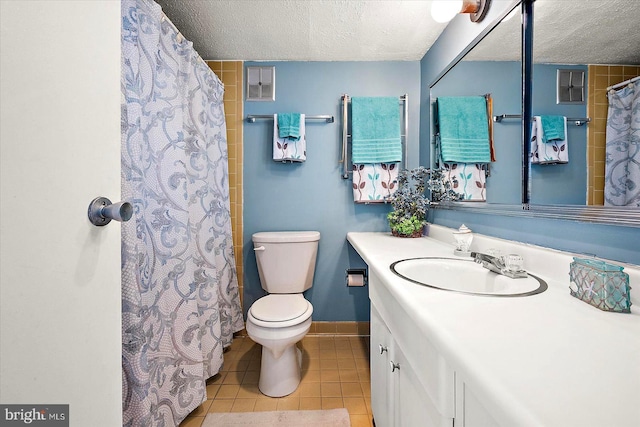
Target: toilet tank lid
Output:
[{"x": 285, "y": 236}]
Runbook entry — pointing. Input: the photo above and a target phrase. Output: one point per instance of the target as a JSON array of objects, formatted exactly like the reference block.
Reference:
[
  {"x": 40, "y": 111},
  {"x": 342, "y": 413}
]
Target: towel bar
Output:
[
  {"x": 251, "y": 118},
  {"x": 575, "y": 121},
  {"x": 346, "y": 99}
]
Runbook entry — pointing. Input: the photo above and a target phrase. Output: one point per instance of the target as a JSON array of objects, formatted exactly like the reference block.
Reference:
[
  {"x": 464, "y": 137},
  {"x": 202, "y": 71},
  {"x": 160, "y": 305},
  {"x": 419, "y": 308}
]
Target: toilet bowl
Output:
[
  {"x": 277, "y": 333},
  {"x": 286, "y": 265}
]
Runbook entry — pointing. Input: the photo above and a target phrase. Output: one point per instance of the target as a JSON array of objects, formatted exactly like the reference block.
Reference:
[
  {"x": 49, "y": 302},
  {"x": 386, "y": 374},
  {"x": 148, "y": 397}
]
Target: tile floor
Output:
[{"x": 335, "y": 374}]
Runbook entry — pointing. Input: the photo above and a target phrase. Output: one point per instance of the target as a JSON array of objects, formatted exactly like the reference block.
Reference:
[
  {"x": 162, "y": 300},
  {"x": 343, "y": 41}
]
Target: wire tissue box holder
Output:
[{"x": 603, "y": 285}]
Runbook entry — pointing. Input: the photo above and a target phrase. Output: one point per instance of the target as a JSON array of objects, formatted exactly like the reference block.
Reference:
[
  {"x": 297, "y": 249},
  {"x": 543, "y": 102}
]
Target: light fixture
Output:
[{"x": 445, "y": 10}]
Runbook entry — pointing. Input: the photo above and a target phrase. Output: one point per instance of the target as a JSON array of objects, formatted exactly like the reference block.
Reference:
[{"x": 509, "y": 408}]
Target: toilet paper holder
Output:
[{"x": 356, "y": 272}]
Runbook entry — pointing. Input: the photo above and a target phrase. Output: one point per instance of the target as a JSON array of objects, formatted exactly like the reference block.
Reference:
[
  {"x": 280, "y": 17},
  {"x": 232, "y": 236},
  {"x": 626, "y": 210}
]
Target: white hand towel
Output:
[
  {"x": 287, "y": 149},
  {"x": 548, "y": 152}
]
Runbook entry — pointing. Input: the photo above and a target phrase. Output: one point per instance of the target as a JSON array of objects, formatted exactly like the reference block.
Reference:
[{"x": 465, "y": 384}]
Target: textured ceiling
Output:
[
  {"x": 571, "y": 32},
  {"x": 566, "y": 31},
  {"x": 299, "y": 30},
  {"x": 587, "y": 31}
]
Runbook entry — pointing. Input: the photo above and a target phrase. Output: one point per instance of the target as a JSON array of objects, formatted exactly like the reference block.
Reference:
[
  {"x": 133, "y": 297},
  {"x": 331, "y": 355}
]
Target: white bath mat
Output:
[{"x": 320, "y": 418}]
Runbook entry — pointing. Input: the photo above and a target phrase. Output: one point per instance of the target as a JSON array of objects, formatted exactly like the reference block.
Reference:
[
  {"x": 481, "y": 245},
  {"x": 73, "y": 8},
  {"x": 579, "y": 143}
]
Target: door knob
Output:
[
  {"x": 394, "y": 366},
  {"x": 102, "y": 211},
  {"x": 382, "y": 348}
]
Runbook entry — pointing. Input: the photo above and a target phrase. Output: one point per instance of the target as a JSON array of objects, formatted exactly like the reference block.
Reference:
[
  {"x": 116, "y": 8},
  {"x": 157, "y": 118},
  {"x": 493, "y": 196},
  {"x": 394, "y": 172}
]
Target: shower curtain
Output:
[
  {"x": 180, "y": 301},
  {"x": 622, "y": 168}
]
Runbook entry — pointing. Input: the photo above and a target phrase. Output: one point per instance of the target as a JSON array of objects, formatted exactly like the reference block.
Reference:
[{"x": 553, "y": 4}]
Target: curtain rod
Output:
[
  {"x": 179, "y": 36},
  {"x": 626, "y": 82}
]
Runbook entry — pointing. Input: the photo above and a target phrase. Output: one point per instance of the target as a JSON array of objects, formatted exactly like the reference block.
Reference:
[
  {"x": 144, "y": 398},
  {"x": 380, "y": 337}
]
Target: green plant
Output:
[{"x": 410, "y": 205}]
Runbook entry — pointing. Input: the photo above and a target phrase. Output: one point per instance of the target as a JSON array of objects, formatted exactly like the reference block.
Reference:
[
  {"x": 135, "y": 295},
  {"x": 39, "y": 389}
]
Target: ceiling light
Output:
[{"x": 445, "y": 10}]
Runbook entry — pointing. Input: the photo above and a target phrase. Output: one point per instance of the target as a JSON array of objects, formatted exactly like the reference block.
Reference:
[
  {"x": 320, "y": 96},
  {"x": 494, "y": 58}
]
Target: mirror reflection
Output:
[
  {"x": 491, "y": 68},
  {"x": 584, "y": 55}
]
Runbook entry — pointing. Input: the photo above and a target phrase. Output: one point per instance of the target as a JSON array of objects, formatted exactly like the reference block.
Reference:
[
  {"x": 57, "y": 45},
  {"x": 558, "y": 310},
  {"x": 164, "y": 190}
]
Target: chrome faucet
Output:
[{"x": 497, "y": 265}]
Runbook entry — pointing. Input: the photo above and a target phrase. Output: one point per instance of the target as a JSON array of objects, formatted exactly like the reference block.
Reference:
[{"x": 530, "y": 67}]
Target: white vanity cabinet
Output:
[
  {"x": 410, "y": 383},
  {"x": 397, "y": 396},
  {"x": 470, "y": 361},
  {"x": 382, "y": 381},
  {"x": 470, "y": 412}
]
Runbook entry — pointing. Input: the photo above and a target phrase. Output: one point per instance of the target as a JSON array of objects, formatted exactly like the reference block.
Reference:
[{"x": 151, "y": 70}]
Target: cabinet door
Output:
[
  {"x": 470, "y": 412},
  {"x": 381, "y": 385},
  {"x": 414, "y": 407}
]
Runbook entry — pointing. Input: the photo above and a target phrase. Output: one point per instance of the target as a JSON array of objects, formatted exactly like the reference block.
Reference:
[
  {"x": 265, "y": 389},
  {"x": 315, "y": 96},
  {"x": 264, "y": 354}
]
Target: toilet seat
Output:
[{"x": 280, "y": 310}]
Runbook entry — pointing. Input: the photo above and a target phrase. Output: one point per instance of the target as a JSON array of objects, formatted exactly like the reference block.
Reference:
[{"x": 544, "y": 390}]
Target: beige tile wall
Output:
[
  {"x": 600, "y": 77},
  {"x": 230, "y": 72}
]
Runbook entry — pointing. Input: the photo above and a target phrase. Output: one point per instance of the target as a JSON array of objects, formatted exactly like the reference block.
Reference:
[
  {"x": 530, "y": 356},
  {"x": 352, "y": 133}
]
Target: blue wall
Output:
[
  {"x": 613, "y": 242},
  {"x": 312, "y": 195},
  {"x": 563, "y": 183}
]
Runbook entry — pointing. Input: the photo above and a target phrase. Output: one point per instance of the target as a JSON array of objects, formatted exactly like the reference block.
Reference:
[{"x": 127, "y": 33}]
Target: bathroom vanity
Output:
[{"x": 443, "y": 358}]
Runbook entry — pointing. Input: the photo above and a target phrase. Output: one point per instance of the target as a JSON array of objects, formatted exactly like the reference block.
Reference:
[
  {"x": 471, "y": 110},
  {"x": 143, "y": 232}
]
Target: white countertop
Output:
[{"x": 541, "y": 360}]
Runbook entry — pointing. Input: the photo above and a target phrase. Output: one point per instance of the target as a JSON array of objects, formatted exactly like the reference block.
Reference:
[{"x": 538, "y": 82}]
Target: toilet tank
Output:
[{"x": 286, "y": 260}]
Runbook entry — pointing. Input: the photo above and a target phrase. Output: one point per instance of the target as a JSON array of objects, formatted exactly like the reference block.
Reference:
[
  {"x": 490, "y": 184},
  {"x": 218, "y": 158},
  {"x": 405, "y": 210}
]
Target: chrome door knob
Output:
[
  {"x": 101, "y": 211},
  {"x": 382, "y": 348},
  {"x": 394, "y": 366}
]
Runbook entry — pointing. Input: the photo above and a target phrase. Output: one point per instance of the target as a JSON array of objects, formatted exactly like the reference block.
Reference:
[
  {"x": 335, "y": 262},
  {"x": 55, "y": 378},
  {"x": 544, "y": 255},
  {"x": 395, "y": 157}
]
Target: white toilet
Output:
[{"x": 286, "y": 264}]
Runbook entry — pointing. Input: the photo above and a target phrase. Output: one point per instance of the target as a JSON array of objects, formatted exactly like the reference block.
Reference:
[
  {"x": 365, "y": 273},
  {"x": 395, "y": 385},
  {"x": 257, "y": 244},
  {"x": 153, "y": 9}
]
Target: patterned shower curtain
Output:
[
  {"x": 180, "y": 301},
  {"x": 622, "y": 169}
]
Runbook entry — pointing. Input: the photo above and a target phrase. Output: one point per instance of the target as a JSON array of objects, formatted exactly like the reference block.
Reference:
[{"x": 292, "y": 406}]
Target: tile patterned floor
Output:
[{"x": 335, "y": 374}]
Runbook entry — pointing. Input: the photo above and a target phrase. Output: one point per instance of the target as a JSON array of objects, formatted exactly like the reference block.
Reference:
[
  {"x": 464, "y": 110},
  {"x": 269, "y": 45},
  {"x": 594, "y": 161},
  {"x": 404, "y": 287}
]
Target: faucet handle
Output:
[
  {"x": 496, "y": 253},
  {"x": 514, "y": 262}
]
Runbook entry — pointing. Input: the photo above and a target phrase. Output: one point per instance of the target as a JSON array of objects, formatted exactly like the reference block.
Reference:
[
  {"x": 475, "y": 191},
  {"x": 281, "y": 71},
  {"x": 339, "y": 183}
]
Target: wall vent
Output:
[
  {"x": 261, "y": 83},
  {"x": 570, "y": 87}
]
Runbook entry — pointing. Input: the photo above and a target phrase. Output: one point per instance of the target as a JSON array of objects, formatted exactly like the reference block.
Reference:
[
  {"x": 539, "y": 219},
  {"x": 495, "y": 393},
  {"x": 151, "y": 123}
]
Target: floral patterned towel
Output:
[
  {"x": 372, "y": 183},
  {"x": 545, "y": 152},
  {"x": 289, "y": 149},
  {"x": 468, "y": 180}
]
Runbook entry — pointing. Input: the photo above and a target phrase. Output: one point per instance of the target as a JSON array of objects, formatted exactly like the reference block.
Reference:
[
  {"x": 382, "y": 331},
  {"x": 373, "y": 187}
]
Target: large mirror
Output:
[
  {"x": 573, "y": 35},
  {"x": 580, "y": 49},
  {"x": 493, "y": 69}
]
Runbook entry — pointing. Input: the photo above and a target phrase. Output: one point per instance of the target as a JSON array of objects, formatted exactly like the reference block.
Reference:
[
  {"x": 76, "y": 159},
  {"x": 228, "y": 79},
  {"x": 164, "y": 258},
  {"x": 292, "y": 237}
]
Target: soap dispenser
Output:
[{"x": 463, "y": 238}]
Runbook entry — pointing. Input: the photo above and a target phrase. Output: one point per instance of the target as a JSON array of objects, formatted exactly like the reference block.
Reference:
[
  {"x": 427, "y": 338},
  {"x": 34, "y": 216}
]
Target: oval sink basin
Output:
[{"x": 465, "y": 276}]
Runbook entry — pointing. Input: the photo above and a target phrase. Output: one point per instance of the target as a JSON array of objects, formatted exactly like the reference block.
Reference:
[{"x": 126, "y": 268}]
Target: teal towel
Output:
[
  {"x": 553, "y": 128},
  {"x": 375, "y": 130},
  {"x": 289, "y": 125},
  {"x": 464, "y": 129}
]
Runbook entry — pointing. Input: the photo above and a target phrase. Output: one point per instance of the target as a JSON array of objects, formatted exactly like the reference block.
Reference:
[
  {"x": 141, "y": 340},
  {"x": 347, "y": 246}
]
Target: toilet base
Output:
[{"x": 280, "y": 376}]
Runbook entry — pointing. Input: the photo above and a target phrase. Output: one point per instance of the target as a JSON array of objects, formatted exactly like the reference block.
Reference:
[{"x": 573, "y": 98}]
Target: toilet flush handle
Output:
[{"x": 259, "y": 248}]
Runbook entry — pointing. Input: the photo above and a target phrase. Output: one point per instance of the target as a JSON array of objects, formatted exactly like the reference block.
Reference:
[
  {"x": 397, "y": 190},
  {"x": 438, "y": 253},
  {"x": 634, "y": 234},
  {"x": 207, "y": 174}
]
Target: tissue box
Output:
[{"x": 600, "y": 284}]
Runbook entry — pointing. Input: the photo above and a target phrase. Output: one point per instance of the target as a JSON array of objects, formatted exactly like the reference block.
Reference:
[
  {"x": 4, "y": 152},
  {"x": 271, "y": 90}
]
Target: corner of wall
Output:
[{"x": 231, "y": 74}]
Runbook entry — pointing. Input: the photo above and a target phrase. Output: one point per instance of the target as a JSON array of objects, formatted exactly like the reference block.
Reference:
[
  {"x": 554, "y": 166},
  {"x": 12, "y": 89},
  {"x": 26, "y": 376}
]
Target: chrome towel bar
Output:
[
  {"x": 575, "y": 121},
  {"x": 346, "y": 99},
  {"x": 251, "y": 118}
]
